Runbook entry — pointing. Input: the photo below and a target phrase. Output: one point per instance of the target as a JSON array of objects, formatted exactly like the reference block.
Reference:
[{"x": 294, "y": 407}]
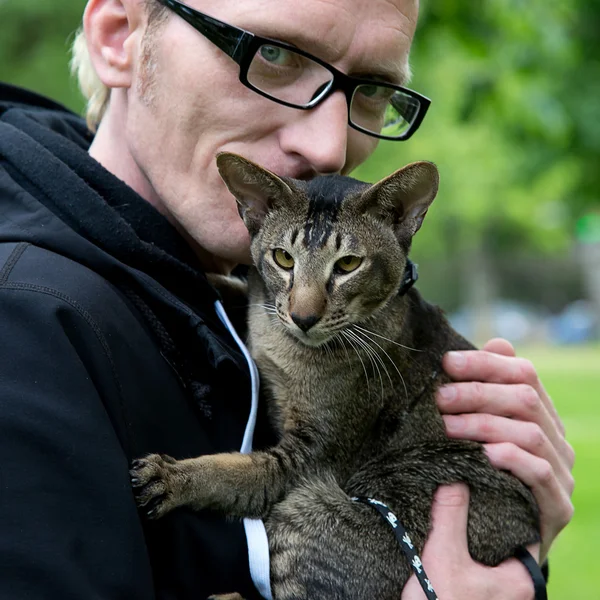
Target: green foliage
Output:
[{"x": 35, "y": 38}]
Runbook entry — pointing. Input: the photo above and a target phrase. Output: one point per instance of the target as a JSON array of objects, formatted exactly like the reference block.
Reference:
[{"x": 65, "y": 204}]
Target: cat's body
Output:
[{"x": 350, "y": 368}]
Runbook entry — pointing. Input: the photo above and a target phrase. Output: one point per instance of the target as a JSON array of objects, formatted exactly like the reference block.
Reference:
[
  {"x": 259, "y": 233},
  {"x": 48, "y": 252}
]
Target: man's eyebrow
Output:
[
  {"x": 321, "y": 48},
  {"x": 396, "y": 72}
]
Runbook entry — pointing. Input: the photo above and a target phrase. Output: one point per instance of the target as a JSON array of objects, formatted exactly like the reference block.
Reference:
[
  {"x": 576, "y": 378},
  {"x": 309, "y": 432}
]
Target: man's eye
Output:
[
  {"x": 369, "y": 90},
  {"x": 376, "y": 92},
  {"x": 275, "y": 55}
]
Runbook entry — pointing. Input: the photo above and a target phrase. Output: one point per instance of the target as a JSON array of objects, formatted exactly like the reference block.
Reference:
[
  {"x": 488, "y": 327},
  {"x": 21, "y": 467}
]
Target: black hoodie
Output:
[{"x": 110, "y": 348}]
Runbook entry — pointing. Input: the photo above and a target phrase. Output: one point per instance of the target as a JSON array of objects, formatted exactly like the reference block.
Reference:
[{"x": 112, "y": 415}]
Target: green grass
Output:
[{"x": 571, "y": 376}]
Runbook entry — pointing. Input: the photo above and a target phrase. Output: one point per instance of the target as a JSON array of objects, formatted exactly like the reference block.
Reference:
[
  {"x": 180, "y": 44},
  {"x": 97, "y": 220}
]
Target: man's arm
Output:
[{"x": 70, "y": 529}]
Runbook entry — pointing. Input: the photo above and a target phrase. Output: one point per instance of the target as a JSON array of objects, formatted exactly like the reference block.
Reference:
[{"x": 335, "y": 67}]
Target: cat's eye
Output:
[
  {"x": 347, "y": 264},
  {"x": 283, "y": 259}
]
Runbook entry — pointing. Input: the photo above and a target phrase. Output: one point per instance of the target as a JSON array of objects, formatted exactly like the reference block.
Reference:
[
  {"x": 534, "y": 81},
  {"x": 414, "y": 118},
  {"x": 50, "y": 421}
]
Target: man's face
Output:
[{"x": 187, "y": 105}]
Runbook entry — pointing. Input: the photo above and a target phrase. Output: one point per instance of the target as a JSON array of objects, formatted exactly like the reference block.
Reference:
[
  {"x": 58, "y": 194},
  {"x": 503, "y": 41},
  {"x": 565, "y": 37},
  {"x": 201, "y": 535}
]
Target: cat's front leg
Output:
[{"x": 244, "y": 485}]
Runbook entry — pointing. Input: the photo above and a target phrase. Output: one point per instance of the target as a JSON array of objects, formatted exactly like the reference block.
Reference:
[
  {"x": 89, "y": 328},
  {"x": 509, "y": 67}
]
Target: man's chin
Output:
[{"x": 221, "y": 254}]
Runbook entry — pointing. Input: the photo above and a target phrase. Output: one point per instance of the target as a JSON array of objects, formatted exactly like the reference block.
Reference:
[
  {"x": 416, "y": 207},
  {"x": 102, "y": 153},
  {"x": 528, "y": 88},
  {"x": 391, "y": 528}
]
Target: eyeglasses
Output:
[{"x": 292, "y": 77}]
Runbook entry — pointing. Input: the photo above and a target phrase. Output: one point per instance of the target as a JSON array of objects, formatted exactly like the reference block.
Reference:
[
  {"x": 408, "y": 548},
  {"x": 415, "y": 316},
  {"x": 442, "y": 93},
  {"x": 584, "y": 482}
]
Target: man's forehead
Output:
[{"x": 363, "y": 37}]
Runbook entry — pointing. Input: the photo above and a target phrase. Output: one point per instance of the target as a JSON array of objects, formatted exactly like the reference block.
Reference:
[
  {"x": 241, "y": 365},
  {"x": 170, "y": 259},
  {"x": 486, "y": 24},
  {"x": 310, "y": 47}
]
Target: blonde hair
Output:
[
  {"x": 94, "y": 91},
  {"x": 97, "y": 94}
]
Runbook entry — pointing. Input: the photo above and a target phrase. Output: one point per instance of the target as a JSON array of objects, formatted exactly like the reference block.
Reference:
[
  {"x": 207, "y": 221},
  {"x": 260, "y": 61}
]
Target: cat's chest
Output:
[{"x": 295, "y": 378}]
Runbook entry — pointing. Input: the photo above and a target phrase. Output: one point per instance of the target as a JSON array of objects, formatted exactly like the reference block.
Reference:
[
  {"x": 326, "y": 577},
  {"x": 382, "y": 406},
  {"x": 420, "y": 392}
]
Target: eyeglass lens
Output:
[
  {"x": 293, "y": 78},
  {"x": 287, "y": 76}
]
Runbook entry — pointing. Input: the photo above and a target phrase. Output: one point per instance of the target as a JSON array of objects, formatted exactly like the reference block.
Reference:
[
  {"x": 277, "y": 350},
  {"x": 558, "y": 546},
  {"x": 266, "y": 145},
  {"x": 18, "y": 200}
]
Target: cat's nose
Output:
[{"x": 305, "y": 322}]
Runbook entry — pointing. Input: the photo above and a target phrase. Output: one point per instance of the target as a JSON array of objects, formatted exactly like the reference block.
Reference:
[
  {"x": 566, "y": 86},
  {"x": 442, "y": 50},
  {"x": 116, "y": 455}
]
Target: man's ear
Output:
[
  {"x": 404, "y": 196},
  {"x": 256, "y": 190},
  {"x": 109, "y": 26}
]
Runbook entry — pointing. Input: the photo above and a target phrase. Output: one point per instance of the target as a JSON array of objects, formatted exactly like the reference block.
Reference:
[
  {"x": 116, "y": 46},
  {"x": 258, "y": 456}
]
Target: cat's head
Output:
[{"x": 331, "y": 251}]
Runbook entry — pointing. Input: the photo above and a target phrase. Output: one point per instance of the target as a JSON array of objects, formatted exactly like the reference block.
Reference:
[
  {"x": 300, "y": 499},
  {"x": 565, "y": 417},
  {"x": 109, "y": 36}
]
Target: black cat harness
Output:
[
  {"x": 539, "y": 583},
  {"x": 409, "y": 278}
]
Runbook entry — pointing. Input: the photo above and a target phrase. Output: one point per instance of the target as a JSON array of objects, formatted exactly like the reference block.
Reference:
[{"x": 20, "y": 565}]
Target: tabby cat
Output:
[{"x": 350, "y": 367}]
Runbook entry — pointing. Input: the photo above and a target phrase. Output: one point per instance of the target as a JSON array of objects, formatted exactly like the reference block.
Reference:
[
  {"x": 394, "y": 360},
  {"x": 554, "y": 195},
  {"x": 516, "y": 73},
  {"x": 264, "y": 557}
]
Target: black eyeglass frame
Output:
[{"x": 242, "y": 45}]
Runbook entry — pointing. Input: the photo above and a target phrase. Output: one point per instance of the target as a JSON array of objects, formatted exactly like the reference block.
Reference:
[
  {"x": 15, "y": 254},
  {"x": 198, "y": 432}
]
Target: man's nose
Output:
[{"x": 320, "y": 135}]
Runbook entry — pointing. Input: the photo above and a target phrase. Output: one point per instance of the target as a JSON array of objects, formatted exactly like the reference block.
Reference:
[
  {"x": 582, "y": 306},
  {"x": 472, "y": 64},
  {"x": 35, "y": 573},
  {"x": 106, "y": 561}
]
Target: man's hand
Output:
[
  {"x": 453, "y": 573},
  {"x": 499, "y": 400}
]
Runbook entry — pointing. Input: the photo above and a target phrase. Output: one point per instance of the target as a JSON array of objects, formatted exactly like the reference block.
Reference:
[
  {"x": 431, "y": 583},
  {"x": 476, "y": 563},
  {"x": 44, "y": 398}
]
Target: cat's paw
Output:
[{"x": 155, "y": 480}]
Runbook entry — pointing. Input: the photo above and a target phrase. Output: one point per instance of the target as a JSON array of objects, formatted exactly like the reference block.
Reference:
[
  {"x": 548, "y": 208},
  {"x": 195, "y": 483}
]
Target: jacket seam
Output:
[
  {"x": 95, "y": 328},
  {"x": 12, "y": 260},
  {"x": 158, "y": 288}
]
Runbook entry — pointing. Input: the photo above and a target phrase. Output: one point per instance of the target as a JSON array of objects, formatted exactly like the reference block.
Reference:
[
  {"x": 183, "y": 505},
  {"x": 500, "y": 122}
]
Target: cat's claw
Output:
[{"x": 154, "y": 482}]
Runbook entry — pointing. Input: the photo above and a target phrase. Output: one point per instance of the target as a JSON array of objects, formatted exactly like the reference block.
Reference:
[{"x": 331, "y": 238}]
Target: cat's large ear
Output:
[
  {"x": 255, "y": 189},
  {"x": 404, "y": 196}
]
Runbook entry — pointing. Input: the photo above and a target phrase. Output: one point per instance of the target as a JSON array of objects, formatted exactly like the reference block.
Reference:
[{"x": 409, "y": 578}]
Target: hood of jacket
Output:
[{"x": 55, "y": 196}]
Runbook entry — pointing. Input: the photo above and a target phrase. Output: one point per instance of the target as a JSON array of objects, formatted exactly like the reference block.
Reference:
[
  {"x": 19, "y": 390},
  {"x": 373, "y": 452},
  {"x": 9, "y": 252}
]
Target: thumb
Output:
[
  {"x": 449, "y": 514},
  {"x": 446, "y": 546}
]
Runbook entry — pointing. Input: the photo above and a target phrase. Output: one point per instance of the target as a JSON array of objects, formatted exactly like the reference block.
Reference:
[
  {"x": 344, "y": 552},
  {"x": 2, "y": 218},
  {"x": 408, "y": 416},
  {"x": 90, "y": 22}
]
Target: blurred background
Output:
[{"x": 511, "y": 246}]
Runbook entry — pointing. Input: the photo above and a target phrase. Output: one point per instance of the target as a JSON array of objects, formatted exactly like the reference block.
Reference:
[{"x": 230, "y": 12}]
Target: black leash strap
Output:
[
  {"x": 539, "y": 581},
  {"x": 405, "y": 543}
]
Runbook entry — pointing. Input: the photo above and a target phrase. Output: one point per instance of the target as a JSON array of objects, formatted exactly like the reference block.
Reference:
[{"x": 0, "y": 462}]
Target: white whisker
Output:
[
  {"x": 373, "y": 357},
  {"x": 365, "y": 345},
  {"x": 390, "y": 359},
  {"x": 386, "y": 339},
  {"x": 344, "y": 333}
]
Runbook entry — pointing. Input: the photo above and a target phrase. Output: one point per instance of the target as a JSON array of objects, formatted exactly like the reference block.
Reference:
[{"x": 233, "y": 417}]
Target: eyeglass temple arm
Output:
[{"x": 232, "y": 40}]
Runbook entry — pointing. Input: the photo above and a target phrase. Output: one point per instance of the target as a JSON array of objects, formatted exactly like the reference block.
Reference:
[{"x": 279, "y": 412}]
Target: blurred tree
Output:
[{"x": 35, "y": 37}]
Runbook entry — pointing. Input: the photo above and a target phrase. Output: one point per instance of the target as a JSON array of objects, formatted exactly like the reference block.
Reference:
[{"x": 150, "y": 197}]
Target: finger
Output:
[
  {"x": 499, "y": 346},
  {"x": 481, "y": 365},
  {"x": 527, "y": 436},
  {"x": 516, "y": 401},
  {"x": 505, "y": 348},
  {"x": 553, "y": 498},
  {"x": 493, "y": 429},
  {"x": 545, "y": 397}
]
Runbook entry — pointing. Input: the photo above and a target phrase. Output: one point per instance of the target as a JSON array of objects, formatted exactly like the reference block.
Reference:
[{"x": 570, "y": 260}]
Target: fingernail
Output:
[
  {"x": 454, "y": 424},
  {"x": 457, "y": 359},
  {"x": 447, "y": 393}
]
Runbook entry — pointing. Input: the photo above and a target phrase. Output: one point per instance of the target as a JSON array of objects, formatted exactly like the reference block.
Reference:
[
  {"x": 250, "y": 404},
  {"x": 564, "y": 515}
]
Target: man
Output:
[{"x": 112, "y": 345}]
